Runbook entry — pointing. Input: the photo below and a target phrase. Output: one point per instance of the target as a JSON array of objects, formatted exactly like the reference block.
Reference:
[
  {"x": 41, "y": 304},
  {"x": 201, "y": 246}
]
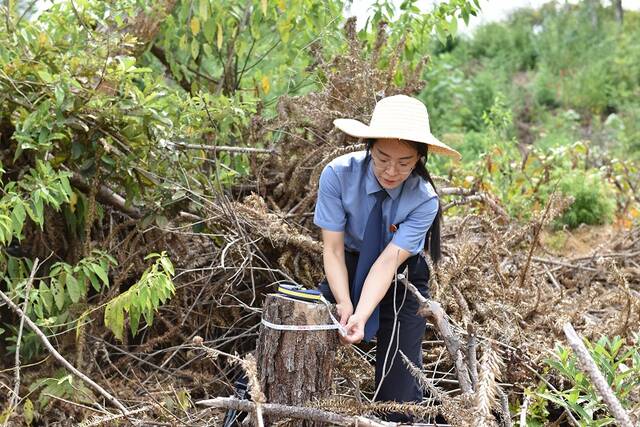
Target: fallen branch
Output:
[
  {"x": 100, "y": 420},
  {"x": 433, "y": 310},
  {"x": 597, "y": 379},
  {"x": 297, "y": 412},
  {"x": 59, "y": 357}
]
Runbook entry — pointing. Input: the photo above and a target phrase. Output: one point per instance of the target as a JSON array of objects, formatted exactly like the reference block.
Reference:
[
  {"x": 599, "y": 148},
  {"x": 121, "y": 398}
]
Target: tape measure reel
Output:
[{"x": 299, "y": 292}]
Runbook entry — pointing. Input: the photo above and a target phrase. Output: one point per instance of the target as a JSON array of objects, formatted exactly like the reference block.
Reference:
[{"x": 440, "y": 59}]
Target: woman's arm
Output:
[
  {"x": 336, "y": 271},
  {"x": 374, "y": 289}
]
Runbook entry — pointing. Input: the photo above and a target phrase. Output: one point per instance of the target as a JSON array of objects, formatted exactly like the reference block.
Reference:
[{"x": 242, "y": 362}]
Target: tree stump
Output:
[{"x": 295, "y": 367}]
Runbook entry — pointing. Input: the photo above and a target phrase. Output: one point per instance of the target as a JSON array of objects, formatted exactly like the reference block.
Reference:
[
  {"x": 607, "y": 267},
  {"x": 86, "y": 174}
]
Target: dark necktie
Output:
[{"x": 372, "y": 243}]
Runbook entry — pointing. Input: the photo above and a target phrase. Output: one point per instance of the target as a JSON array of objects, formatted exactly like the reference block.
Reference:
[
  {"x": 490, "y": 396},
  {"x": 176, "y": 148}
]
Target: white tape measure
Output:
[
  {"x": 299, "y": 327},
  {"x": 335, "y": 324}
]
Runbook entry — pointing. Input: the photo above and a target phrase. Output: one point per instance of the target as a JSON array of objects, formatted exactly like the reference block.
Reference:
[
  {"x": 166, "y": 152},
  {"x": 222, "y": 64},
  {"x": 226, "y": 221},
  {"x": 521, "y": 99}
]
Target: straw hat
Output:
[{"x": 401, "y": 117}]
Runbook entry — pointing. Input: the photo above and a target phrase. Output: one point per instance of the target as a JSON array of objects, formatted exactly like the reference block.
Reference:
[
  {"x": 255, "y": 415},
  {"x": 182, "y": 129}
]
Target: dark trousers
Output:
[{"x": 401, "y": 329}]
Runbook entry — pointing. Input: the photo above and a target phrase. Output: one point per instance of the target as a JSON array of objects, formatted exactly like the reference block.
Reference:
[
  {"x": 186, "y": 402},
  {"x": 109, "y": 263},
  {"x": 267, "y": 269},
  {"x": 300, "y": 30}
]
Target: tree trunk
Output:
[
  {"x": 295, "y": 366},
  {"x": 617, "y": 6}
]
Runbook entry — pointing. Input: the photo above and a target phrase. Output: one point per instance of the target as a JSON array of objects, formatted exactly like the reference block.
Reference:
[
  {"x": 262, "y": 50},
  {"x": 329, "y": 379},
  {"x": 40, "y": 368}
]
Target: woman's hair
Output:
[{"x": 432, "y": 240}]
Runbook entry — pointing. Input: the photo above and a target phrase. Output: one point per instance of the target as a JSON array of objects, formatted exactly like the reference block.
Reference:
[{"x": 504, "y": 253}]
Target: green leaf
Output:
[
  {"x": 195, "y": 27},
  {"x": 209, "y": 30},
  {"x": 453, "y": 26},
  {"x": 219, "y": 37},
  {"x": 95, "y": 283},
  {"x": 59, "y": 94},
  {"x": 74, "y": 288},
  {"x": 18, "y": 216},
  {"x": 58, "y": 293},
  {"x": 134, "y": 319},
  {"x": 465, "y": 16},
  {"x": 45, "y": 76},
  {"x": 46, "y": 296},
  {"x": 203, "y": 9},
  {"x": 167, "y": 265},
  {"x": 114, "y": 319},
  {"x": 101, "y": 273},
  {"x": 28, "y": 412}
]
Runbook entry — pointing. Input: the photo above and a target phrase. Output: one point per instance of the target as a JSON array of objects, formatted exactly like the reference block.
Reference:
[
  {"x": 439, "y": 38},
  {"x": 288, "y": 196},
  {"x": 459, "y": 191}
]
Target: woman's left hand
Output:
[{"x": 355, "y": 329}]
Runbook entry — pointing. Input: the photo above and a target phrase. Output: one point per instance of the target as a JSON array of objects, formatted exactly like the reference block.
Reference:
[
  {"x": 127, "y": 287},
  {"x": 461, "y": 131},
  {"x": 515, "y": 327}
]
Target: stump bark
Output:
[{"x": 295, "y": 367}]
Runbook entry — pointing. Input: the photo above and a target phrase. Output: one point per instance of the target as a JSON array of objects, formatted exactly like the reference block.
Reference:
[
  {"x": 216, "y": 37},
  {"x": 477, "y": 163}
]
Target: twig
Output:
[
  {"x": 297, "y": 412},
  {"x": 563, "y": 264},
  {"x": 504, "y": 408},
  {"x": 523, "y": 411},
  {"x": 216, "y": 148},
  {"x": 16, "y": 387},
  {"x": 96, "y": 421},
  {"x": 597, "y": 379},
  {"x": 59, "y": 357},
  {"x": 471, "y": 357},
  {"x": 536, "y": 234}
]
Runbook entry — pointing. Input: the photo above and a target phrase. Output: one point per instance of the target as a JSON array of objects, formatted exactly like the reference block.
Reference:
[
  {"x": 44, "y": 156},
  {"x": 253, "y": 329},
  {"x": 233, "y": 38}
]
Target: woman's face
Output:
[{"x": 393, "y": 161}]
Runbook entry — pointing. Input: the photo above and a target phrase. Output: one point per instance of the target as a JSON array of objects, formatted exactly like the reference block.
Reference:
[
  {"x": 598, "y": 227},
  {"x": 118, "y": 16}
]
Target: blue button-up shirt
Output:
[{"x": 346, "y": 197}]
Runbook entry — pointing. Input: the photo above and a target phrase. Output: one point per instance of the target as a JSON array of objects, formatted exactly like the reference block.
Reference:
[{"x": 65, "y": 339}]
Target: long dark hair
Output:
[{"x": 432, "y": 240}]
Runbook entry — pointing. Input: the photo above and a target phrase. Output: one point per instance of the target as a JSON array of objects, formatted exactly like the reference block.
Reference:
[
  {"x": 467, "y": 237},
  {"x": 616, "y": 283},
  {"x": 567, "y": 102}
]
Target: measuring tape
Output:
[{"x": 298, "y": 292}]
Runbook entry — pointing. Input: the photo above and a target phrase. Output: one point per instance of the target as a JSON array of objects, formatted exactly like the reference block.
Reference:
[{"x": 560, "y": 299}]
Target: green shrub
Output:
[
  {"x": 589, "y": 88},
  {"x": 620, "y": 367},
  {"x": 593, "y": 203},
  {"x": 545, "y": 89}
]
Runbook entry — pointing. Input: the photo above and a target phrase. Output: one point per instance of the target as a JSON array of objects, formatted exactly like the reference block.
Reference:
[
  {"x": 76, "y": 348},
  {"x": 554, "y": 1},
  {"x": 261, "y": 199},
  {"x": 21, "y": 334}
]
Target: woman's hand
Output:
[
  {"x": 345, "y": 310},
  {"x": 355, "y": 330}
]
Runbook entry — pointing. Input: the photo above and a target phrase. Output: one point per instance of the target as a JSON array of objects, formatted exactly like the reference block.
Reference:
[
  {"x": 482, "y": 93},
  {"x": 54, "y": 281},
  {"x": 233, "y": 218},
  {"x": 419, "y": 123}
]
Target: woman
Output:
[{"x": 377, "y": 210}]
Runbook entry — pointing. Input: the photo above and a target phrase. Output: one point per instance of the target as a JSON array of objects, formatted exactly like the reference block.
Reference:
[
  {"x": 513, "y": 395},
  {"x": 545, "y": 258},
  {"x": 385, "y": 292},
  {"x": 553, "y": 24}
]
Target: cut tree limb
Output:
[
  {"x": 296, "y": 412},
  {"x": 432, "y": 309},
  {"x": 597, "y": 379},
  {"x": 59, "y": 357}
]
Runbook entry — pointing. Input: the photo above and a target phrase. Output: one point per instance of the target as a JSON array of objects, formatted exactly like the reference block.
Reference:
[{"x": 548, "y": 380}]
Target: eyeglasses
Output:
[{"x": 402, "y": 167}]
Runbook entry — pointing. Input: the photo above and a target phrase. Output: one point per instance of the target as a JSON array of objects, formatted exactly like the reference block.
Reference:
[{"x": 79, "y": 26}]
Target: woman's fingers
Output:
[
  {"x": 344, "y": 317},
  {"x": 355, "y": 330}
]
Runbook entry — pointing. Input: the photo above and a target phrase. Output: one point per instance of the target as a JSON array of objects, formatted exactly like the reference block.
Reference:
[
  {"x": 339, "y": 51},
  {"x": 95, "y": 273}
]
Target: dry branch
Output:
[
  {"x": 597, "y": 379},
  {"x": 227, "y": 149},
  {"x": 296, "y": 412},
  {"x": 433, "y": 310},
  {"x": 16, "y": 387},
  {"x": 59, "y": 357}
]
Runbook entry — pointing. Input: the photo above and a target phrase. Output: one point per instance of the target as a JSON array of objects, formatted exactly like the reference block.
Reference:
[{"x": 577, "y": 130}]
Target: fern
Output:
[{"x": 154, "y": 288}]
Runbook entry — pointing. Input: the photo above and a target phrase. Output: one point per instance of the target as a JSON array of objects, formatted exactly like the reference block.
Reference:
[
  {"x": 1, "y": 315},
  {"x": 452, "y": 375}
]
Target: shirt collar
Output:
[{"x": 373, "y": 186}]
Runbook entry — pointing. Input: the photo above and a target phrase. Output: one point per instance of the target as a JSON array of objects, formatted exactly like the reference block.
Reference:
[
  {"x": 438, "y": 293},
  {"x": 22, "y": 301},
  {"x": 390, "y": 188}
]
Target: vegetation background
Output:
[{"x": 128, "y": 130}]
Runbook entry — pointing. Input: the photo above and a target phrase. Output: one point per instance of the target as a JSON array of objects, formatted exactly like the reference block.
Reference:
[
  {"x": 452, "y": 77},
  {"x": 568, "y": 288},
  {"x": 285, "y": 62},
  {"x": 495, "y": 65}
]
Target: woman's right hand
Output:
[{"x": 345, "y": 310}]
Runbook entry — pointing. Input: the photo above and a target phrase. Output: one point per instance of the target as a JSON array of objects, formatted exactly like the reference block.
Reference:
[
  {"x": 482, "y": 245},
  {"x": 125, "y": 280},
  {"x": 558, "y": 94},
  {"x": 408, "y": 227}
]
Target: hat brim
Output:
[{"x": 360, "y": 130}]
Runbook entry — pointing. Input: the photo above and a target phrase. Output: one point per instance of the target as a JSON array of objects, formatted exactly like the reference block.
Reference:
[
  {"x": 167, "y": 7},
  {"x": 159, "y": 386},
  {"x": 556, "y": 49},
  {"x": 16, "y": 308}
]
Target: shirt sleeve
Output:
[
  {"x": 412, "y": 231},
  {"x": 329, "y": 213}
]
